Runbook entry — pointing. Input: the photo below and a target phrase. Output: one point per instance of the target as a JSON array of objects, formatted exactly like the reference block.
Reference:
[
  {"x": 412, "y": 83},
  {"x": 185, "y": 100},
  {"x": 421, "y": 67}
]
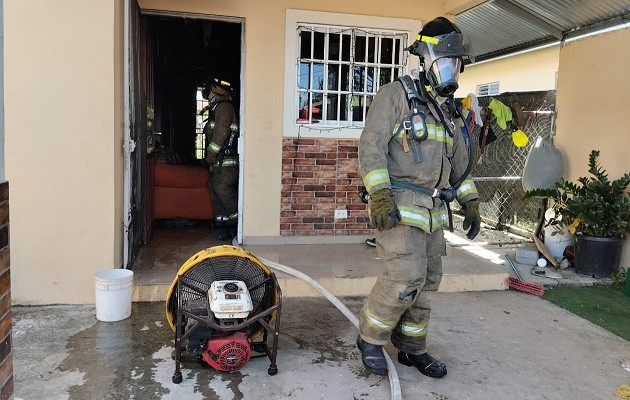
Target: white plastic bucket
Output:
[
  {"x": 113, "y": 294},
  {"x": 558, "y": 242}
]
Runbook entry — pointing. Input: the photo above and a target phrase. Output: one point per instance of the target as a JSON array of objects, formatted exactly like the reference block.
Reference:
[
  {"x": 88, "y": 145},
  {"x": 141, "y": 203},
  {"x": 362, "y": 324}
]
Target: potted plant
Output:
[{"x": 597, "y": 211}]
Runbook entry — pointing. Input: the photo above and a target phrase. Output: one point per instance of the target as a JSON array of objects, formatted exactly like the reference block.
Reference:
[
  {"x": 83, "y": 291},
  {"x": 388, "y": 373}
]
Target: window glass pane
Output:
[
  {"x": 385, "y": 76},
  {"x": 339, "y": 86},
  {"x": 371, "y": 49},
  {"x": 317, "y": 107},
  {"x": 333, "y": 46},
  {"x": 318, "y": 76},
  {"x": 345, "y": 78},
  {"x": 345, "y": 47},
  {"x": 370, "y": 80},
  {"x": 358, "y": 84},
  {"x": 304, "y": 75},
  {"x": 333, "y": 107},
  {"x": 357, "y": 108},
  {"x": 359, "y": 49},
  {"x": 318, "y": 46},
  {"x": 302, "y": 107},
  {"x": 387, "y": 45},
  {"x": 333, "y": 77},
  {"x": 343, "y": 107},
  {"x": 305, "y": 44}
]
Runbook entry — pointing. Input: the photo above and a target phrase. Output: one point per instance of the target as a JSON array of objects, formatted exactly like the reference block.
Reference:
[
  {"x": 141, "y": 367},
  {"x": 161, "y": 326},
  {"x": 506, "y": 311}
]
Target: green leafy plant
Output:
[
  {"x": 619, "y": 277},
  {"x": 592, "y": 206}
]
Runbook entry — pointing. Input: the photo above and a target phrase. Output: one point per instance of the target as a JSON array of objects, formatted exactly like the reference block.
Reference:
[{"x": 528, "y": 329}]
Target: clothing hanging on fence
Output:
[
  {"x": 502, "y": 113},
  {"x": 487, "y": 136},
  {"x": 471, "y": 103}
]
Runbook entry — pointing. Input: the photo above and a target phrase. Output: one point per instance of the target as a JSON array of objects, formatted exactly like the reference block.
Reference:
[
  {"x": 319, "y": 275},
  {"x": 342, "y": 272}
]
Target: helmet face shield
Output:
[
  {"x": 450, "y": 45},
  {"x": 442, "y": 57}
]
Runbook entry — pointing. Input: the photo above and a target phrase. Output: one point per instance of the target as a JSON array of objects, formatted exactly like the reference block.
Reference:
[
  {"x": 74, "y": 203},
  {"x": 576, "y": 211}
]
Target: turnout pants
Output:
[
  {"x": 399, "y": 305},
  {"x": 224, "y": 189}
]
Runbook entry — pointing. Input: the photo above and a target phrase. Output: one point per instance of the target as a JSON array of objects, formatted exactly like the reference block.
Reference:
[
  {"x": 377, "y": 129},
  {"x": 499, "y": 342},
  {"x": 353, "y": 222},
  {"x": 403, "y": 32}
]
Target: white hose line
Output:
[{"x": 394, "y": 382}]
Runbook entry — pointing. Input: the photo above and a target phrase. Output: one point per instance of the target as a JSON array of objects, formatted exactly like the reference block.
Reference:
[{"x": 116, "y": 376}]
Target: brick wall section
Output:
[
  {"x": 320, "y": 176},
  {"x": 6, "y": 359}
]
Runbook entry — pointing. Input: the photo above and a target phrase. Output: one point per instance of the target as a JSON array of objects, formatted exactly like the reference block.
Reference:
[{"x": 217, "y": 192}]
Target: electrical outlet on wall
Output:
[{"x": 341, "y": 214}]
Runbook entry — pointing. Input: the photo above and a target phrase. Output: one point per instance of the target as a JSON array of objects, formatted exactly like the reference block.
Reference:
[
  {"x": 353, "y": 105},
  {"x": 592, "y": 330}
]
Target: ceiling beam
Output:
[{"x": 531, "y": 17}]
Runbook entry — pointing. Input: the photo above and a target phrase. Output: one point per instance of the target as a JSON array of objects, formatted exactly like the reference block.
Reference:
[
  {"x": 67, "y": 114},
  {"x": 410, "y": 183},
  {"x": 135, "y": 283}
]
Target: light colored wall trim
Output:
[{"x": 295, "y": 17}]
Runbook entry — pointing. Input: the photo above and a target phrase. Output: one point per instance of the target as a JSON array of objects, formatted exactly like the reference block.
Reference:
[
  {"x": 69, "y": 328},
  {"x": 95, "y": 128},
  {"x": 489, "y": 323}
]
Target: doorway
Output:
[{"x": 172, "y": 57}]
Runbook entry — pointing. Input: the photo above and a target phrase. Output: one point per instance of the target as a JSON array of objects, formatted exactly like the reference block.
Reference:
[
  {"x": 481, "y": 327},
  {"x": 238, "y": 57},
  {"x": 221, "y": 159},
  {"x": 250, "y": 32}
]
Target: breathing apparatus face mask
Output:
[
  {"x": 442, "y": 59},
  {"x": 443, "y": 75}
]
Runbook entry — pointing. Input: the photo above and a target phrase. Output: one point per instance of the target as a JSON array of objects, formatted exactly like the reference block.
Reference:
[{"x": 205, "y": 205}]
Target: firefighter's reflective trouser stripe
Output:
[
  {"x": 398, "y": 307},
  {"x": 224, "y": 189}
]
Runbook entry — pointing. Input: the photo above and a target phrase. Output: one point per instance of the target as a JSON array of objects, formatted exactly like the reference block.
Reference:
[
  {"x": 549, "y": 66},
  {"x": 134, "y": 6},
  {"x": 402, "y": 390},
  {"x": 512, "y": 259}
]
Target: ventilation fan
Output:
[{"x": 223, "y": 304}]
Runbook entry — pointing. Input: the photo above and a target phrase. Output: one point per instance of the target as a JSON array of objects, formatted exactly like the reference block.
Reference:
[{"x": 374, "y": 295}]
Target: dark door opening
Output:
[{"x": 183, "y": 54}]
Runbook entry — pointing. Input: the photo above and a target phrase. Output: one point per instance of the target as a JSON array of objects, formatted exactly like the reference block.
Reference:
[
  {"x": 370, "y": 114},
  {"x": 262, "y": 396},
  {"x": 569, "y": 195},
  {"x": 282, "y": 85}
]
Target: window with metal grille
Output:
[
  {"x": 488, "y": 89},
  {"x": 200, "y": 139},
  {"x": 339, "y": 70}
]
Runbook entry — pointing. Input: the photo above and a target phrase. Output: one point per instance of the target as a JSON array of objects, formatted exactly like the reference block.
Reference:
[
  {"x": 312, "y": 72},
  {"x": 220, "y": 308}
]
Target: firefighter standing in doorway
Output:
[
  {"x": 221, "y": 134},
  {"x": 414, "y": 160}
]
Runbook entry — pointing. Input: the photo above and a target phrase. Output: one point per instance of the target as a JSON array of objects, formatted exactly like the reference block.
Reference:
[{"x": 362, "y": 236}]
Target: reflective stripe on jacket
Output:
[
  {"x": 381, "y": 155},
  {"x": 217, "y": 133}
]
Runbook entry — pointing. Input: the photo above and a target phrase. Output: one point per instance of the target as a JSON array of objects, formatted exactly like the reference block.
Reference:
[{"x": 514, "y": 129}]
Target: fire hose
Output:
[{"x": 394, "y": 382}]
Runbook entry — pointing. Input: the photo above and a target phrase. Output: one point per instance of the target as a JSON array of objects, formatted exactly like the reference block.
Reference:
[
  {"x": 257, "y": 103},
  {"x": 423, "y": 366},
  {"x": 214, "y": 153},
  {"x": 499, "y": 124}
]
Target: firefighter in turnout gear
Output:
[
  {"x": 414, "y": 160},
  {"x": 221, "y": 134}
]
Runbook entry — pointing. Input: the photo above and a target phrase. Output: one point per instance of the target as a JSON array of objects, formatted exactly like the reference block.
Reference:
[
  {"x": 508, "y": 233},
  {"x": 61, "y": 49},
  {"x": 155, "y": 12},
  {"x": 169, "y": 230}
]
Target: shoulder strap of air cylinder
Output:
[{"x": 413, "y": 97}]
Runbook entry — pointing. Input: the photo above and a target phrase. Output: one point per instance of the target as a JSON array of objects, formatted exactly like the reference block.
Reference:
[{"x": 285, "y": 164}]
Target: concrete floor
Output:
[{"x": 497, "y": 345}]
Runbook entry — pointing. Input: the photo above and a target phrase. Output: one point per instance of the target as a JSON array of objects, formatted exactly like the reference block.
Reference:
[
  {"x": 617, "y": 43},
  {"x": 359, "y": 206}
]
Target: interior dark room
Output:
[{"x": 186, "y": 54}]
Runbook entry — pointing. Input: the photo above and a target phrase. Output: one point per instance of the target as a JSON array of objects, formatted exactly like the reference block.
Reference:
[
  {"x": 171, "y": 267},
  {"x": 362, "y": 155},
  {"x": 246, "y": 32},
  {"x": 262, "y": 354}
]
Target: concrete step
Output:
[{"x": 351, "y": 269}]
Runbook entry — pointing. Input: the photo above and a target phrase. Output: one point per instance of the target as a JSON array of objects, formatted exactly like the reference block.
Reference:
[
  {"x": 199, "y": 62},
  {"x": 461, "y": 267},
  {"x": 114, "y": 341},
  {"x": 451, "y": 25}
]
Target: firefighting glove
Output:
[
  {"x": 472, "y": 219},
  {"x": 384, "y": 214}
]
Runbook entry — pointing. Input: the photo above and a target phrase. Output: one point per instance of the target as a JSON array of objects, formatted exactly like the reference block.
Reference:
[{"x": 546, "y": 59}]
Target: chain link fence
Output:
[{"x": 497, "y": 170}]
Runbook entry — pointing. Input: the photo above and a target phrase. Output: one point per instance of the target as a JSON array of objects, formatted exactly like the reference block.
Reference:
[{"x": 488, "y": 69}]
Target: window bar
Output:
[
  {"x": 324, "y": 110},
  {"x": 311, "y": 80},
  {"x": 297, "y": 73},
  {"x": 377, "y": 72},
  {"x": 350, "y": 96},
  {"x": 296, "y": 107},
  {"x": 339, "y": 79}
]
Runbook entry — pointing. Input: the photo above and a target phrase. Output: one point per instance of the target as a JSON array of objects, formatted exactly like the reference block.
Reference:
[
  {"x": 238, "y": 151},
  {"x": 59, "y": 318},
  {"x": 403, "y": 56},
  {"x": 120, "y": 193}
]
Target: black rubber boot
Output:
[
  {"x": 373, "y": 357},
  {"x": 426, "y": 364}
]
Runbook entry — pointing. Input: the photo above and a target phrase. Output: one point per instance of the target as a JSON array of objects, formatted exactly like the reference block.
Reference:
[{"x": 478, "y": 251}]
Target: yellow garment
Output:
[
  {"x": 502, "y": 112},
  {"x": 467, "y": 103},
  {"x": 519, "y": 138}
]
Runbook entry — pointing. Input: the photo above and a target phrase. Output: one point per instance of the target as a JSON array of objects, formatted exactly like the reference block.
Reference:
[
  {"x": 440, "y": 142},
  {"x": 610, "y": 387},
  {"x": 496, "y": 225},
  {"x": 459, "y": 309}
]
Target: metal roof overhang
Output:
[{"x": 502, "y": 27}]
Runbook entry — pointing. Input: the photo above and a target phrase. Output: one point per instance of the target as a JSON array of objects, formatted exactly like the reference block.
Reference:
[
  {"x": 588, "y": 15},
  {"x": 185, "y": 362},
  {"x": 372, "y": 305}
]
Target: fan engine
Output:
[
  {"x": 222, "y": 305},
  {"x": 230, "y": 353}
]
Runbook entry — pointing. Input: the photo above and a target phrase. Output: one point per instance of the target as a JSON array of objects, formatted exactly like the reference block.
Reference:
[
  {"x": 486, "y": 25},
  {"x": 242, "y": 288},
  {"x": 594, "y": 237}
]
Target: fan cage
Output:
[
  {"x": 196, "y": 282},
  {"x": 187, "y": 301}
]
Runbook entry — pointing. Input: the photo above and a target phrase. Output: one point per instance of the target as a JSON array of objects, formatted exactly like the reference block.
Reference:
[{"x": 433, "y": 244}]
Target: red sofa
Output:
[{"x": 181, "y": 191}]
